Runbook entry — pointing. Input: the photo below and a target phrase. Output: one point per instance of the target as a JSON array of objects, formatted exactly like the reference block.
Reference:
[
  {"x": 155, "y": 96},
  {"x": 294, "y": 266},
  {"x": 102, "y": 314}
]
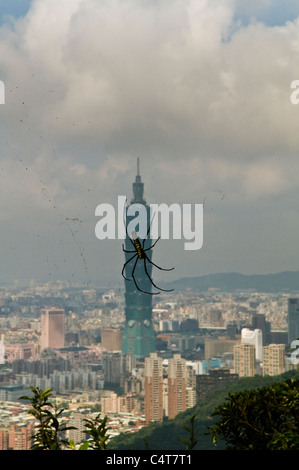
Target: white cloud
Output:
[
  {"x": 92, "y": 85},
  {"x": 119, "y": 70}
]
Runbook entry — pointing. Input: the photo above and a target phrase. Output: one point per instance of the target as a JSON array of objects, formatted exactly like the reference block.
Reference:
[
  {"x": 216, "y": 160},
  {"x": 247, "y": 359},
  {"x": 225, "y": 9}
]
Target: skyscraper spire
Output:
[
  {"x": 138, "y": 174},
  {"x": 138, "y": 187}
]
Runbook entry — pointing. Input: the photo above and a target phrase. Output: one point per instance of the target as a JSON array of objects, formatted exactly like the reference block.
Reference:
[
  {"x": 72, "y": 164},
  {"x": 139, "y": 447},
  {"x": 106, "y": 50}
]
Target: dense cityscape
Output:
[{"x": 199, "y": 340}]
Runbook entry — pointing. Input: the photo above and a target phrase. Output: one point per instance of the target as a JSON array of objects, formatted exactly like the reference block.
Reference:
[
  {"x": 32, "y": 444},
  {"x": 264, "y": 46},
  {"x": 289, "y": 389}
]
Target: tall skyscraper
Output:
[
  {"x": 52, "y": 328},
  {"x": 153, "y": 388},
  {"x": 138, "y": 337},
  {"x": 293, "y": 319},
  {"x": 177, "y": 385}
]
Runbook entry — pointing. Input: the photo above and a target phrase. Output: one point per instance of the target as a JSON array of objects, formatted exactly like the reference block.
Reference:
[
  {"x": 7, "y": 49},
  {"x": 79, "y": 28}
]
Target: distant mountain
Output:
[{"x": 287, "y": 281}]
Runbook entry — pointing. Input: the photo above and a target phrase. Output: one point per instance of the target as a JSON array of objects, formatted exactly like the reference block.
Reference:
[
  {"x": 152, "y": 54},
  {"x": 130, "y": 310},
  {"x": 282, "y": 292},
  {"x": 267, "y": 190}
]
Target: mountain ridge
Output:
[{"x": 285, "y": 281}]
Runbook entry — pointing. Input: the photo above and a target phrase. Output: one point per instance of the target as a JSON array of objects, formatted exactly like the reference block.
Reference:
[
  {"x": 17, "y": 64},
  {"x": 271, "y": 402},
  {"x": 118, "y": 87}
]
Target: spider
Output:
[{"x": 140, "y": 254}]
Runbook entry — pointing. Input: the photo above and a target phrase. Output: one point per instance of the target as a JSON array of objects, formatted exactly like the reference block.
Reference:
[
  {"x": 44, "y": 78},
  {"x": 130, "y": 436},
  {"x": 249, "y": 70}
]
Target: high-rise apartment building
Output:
[
  {"x": 77, "y": 421},
  {"x": 52, "y": 328},
  {"x": 138, "y": 337},
  {"x": 117, "y": 366},
  {"x": 244, "y": 360},
  {"x": 274, "y": 359},
  {"x": 177, "y": 385},
  {"x": 190, "y": 397},
  {"x": 153, "y": 387},
  {"x": 293, "y": 319},
  {"x": 16, "y": 437}
]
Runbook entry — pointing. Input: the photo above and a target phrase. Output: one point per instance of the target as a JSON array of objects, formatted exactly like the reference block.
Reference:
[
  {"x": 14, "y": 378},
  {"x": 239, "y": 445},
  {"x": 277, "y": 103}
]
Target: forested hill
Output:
[
  {"x": 167, "y": 435},
  {"x": 287, "y": 281}
]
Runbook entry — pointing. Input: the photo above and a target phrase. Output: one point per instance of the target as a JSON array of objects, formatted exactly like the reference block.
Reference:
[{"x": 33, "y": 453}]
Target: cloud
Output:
[
  {"x": 200, "y": 94},
  {"x": 131, "y": 73}
]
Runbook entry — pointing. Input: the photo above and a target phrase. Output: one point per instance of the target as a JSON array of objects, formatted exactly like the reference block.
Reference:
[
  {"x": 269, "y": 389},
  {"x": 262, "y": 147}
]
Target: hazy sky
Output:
[{"x": 198, "y": 89}]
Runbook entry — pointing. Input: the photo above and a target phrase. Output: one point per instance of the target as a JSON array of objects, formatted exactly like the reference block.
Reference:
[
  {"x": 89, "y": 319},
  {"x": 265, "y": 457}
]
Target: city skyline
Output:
[
  {"x": 199, "y": 91},
  {"x": 204, "y": 341}
]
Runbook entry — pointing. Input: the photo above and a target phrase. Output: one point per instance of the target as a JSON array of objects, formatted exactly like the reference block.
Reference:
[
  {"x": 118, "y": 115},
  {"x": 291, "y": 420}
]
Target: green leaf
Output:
[{"x": 84, "y": 446}]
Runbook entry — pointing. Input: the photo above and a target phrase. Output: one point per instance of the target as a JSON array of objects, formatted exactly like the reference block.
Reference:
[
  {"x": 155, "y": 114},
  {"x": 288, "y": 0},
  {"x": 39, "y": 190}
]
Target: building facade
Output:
[
  {"x": 111, "y": 339},
  {"x": 153, "y": 388},
  {"x": 77, "y": 435},
  {"x": 213, "y": 380},
  {"x": 258, "y": 322},
  {"x": 219, "y": 346},
  {"x": 14, "y": 352},
  {"x": 16, "y": 437},
  {"x": 254, "y": 337},
  {"x": 274, "y": 359},
  {"x": 177, "y": 385},
  {"x": 13, "y": 392},
  {"x": 117, "y": 367},
  {"x": 293, "y": 319},
  {"x": 244, "y": 360},
  {"x": 52, "y": 328}
]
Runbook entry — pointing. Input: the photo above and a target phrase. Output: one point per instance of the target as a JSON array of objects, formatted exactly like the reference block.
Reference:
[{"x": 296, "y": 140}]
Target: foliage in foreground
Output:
[
  {"x": 169, "y": 433},
  {"x": 262, "y": 419},
  {"x": 50, "y": 433},
  {"x": 265, "y": 418}
]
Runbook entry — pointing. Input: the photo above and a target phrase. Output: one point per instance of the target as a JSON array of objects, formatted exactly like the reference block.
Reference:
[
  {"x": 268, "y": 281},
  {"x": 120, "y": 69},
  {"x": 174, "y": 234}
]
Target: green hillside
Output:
[{"x": 167, "y": 435}]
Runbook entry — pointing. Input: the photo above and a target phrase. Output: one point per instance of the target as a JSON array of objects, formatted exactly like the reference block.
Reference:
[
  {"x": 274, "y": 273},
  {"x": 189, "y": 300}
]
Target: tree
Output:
[
  {"x": 97, "y": 429},
  {"x": 192, "y": 441},
  {"x": 49, "y": 435},
  {"x": 263, "y": 419}
]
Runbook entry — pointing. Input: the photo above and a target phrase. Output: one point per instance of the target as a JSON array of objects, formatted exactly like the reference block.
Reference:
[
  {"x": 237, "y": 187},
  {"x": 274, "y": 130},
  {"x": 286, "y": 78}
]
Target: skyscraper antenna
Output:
[{"x": 138, "y": 187}]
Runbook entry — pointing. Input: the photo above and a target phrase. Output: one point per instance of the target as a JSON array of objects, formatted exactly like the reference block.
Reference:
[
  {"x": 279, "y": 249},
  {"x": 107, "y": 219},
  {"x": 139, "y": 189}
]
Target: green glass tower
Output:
[{"x": 138, "y": 336}]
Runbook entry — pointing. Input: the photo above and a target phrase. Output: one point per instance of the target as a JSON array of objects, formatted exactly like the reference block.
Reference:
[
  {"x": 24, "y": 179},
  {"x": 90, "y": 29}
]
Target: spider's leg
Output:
[
  {"x": 128, "y": 251},
  {"x": 145, "y": 268},
  {"x": 122, "y": 273},
  {"x": 152, "y": 245},
  {"x": 146, "y": 272},
  {"x": 162, "y": 269},
  {"x": 133, "y": 277}
]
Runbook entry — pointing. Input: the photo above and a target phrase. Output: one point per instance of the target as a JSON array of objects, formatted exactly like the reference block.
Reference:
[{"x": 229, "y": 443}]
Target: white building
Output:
[{"x": 254, "y": 337}]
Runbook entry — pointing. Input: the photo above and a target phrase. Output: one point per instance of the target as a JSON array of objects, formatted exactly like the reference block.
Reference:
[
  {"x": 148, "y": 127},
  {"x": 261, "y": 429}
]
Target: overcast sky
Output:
[{"x": 198, "y": 89}]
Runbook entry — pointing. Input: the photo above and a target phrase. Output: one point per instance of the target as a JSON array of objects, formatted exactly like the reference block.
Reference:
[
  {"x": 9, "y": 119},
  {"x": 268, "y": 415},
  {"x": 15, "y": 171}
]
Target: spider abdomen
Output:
[{"x": 138, "y": 249}]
